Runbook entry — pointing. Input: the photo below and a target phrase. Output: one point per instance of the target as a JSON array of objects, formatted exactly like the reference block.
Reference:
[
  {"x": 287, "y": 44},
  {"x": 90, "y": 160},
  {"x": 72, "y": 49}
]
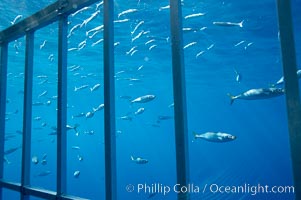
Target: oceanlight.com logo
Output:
[
  {"x": 163, "y": 189},
  {"x": 250, "y": 189}
]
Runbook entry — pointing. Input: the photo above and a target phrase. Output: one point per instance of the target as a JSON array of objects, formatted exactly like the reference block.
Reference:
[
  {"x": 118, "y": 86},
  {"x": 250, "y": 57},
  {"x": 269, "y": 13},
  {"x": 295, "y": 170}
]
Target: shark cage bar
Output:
[
  {"x": 291, "y": 88},
  {"x": 59, "y": 11}
]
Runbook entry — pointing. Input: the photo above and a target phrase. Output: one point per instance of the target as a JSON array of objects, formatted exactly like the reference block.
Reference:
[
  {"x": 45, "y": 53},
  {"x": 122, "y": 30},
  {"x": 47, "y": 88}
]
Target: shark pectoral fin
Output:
[{"x": 220, "y": 138}]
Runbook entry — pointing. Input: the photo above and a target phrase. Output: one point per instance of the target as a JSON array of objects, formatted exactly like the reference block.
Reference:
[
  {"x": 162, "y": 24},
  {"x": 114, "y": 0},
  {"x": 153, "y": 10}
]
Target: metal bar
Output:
[
  {"x": 3, "y": 82},
  {"x": 109, "y": 101},
  {"x": 179, "y": 91},
  {"x": 27, "y": 114},
  {"x": 43, "y": 18},
  {"x": 291, "y": 88},
  {"x": 10, "y": 185},
  {"x": 62, "y": 107},
  {"x": 38, "y": 192}
]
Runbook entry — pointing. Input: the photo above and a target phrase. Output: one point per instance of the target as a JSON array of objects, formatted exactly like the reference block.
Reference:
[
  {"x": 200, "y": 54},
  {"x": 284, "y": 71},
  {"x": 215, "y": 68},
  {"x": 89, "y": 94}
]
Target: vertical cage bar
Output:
[
  {"x": 291, "y": 88},
  {"x": 62, "y": 107},
  {"x": 3, "y": 83},
  {"x": 179, "y": 91},
  {"x": 109, "y": 101},
  {"x": 27, "y": 113}
]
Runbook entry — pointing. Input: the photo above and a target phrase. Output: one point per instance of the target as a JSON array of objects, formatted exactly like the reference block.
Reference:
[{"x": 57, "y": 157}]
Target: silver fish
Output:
[
  {"x": 144, "y": 99},
  {"x": 215, "y": 137},
  {"x": 240, "y": 24},
  {"x": 139, "y": 160},
  {"x": 261, "y": 93}
]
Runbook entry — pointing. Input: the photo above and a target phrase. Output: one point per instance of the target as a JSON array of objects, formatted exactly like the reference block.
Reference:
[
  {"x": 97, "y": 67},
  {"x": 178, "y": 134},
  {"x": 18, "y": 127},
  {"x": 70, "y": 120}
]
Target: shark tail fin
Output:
[{"x": 232, "y": 98}]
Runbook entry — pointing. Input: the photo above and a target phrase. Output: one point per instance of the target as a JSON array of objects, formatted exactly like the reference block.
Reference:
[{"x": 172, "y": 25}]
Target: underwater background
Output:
[{"x": 219, "y": 60}]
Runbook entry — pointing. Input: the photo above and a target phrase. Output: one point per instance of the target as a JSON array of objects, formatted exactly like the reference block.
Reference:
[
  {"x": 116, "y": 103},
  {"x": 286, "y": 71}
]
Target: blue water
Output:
[{"x": 259, "y": 155}]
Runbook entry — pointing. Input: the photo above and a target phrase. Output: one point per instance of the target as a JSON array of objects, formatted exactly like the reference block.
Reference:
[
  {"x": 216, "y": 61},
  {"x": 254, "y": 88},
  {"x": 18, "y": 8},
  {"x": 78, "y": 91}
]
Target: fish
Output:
[
  {"x": 86, "y": 21},
  {"x": 281, "y": 80},
  {"x": 151, "y": 47},
  {"x": 194, "y": 15},
  {"x": 35, "y": 160},
  {"x": 11, "y": 150},
  {"x": 144, "y": 99},
  {"x": 126, "y": 117},
  {"x": 95, "y": 87},
  {"x": 79, "y": 115},
  {"x": 79, "y": 11},
  {"x": 38, "y": 103},
  {"x": 239, "y": 43},
  {"x": 44, "y": 162},
  {"x": 91, "y": 132},
  {"x": 240, "y": 24},
  {"x": 126, "y": 12},
  {"x": 210, "y": 47},
  {"x": 12, "y": 113},
  {"x": 99, "y": 4},
  {"x": 68, "y": 127},
  {"x": 188, "y": 45},
  {"x": 43, "y": 44},
  {"x": 139, "y": 111},
  {"x": 260, "y": 93},
  {"x": 238, "y": 76},
  {"x": 75, "y": 147},
  {"x": 121, "y": 21},
  {"x": 138, "y": 35},
  {"x": 89, "y": 114},
  {"x": 131, "y": 50},
  {"x": 74, "y": 68},
  {"x": 73, "y": 29},
  {"x": 16, "y": 19},
  {"x": 96, "y": 29},
  {"x": 43, "y": 93},
  {"x": 164, "y": 7},
  {"x": 164, "y": 117},
  {"x": 44, "y": 173},
  {"x": 137, "y": 26},
  {"x": 76, "y": 174},
  {"x": 80, "y": 87},
  {"x": 150, "y": 41},
  {"x": 215, "y": 137},
  {"x": 80, "y": 158},
  {"x": 10, "y": 136},
  {"x": 100, "y": 107},
  {"x": 139, "y": 160},
  {"x": 6, "y": 160},
  {"x": 171, "y": 105},
  {"x": 82, "y": 44},
  {"x": 198, "y": 54},
  {"x": 125, "y": 97}
]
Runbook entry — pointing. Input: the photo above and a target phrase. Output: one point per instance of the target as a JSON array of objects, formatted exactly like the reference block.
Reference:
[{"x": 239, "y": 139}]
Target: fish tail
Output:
[
  {"x": 232, "y": 98},
  {"x": 132, "y": 158},
  {"x": 241, "y": 23},
  {"x": 195, "y": 135}
]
